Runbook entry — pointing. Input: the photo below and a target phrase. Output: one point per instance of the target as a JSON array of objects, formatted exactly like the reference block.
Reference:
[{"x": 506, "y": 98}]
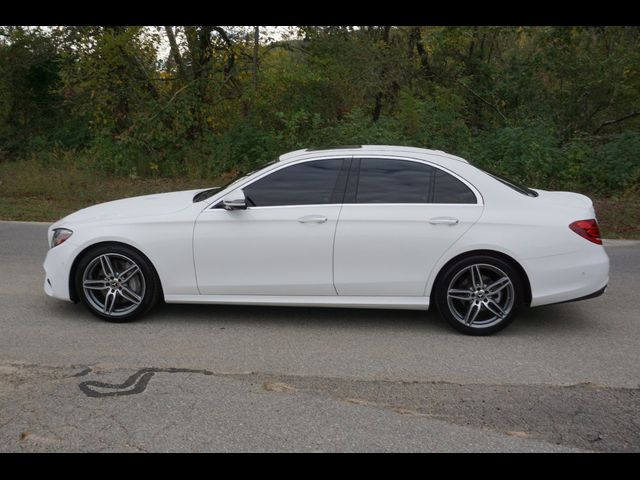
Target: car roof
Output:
[{"x": 366, "y": 150}]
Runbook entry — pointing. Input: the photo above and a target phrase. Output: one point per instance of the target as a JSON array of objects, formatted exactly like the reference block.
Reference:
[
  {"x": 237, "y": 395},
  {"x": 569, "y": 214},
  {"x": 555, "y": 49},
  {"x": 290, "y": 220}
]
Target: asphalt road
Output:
[{"x": 229, "y": 378}]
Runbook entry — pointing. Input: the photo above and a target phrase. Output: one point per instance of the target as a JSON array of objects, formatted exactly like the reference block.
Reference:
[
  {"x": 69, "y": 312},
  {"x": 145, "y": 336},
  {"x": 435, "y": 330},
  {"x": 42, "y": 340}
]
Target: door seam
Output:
[{"x": 335, "y": 232}]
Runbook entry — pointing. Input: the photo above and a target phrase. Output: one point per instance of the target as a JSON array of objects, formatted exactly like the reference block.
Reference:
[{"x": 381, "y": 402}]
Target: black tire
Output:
[
  {"x": 486, "y": 306},
  {"x": 147, "y": 284}
]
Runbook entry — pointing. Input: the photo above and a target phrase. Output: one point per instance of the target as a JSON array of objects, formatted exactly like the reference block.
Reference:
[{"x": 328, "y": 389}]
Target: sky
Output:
[{"x": 267, "y": 33}]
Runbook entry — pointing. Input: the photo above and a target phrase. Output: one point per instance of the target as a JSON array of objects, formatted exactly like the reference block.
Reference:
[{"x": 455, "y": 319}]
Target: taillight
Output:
[{"x": 587, "y": 229}]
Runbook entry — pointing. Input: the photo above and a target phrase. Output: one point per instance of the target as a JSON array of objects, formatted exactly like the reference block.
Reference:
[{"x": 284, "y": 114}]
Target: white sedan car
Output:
[{"x": 357, "y": 226}]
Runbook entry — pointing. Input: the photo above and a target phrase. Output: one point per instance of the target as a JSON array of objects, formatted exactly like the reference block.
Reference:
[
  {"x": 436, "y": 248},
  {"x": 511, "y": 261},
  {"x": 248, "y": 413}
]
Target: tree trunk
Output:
[
  {"x": 377, "y": 109},
  {"x": 256, "y": 45},
  {"x": 175, "y": 51}
]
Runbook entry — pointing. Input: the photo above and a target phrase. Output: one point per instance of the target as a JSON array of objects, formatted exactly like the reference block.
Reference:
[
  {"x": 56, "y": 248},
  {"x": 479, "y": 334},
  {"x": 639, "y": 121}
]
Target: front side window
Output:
[{"x": 309, "y": 183}]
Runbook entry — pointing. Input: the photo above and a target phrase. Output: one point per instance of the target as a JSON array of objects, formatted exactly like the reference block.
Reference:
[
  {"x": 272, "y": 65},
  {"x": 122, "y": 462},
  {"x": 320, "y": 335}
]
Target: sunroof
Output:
[{"x": 336, "y": 147}]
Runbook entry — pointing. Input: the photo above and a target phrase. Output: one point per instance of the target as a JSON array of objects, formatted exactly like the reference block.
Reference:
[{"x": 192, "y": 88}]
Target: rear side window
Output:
[
  {"x": 393, "y": 181},
  {"x": 448, "y": 189},
  {"x": 402, "y": 181},
  {"x": 309, "y": 183}
]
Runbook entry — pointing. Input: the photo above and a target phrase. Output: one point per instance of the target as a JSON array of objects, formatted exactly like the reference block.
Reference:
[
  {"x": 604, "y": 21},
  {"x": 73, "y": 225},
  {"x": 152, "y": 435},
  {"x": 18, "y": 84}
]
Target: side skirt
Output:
[{"x": 406, "y": 303}]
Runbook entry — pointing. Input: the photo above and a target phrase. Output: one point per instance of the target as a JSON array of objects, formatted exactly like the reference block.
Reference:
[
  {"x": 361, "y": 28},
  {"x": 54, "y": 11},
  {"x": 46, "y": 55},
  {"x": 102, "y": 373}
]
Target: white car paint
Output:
[
  {"x": 375, "y": 255},
  {"x": 266, "y": 251}
]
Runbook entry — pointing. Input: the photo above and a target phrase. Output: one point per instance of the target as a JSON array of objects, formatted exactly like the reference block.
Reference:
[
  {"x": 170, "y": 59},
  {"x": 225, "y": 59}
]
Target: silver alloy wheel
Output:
[
  {"x": 113, "y": 284},
  {"x": 480, "y": 295}
]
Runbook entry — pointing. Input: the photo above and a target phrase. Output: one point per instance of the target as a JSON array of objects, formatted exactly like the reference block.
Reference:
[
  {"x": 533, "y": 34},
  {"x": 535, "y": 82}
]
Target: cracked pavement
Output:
[{"x": 222, "y": 378}]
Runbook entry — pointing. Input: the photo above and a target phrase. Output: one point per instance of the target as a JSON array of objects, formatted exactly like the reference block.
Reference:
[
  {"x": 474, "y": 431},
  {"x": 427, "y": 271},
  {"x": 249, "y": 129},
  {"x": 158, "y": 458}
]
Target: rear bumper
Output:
[
  {"x": 587, "y": 297},
  {"x": 568, "y": 277}
]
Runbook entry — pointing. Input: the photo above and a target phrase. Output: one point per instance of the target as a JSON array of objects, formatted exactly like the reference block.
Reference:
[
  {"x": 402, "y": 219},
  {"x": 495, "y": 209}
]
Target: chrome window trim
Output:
[{"x": 479, "y": 199}]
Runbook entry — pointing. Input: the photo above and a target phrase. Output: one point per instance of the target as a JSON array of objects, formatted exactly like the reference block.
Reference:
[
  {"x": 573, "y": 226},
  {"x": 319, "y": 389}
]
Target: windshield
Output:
[
  {"x": 200, "y": 196},
  {"x": 203, "y": 195},
  {"x": 512, "y": 184}
]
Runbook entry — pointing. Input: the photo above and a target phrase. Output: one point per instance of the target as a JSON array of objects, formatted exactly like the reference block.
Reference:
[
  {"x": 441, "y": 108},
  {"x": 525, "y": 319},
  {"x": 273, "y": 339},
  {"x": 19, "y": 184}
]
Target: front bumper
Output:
[{"x": 57, "y": 266}]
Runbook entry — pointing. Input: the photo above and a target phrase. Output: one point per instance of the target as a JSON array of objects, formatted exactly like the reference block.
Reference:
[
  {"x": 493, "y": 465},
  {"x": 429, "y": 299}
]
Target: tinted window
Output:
[
  {"x": 393, "y": 181},
  {"x": 306, "y": 183},
  {"x": 512, "y": 184},
  {"x": 449, "y": 189}
]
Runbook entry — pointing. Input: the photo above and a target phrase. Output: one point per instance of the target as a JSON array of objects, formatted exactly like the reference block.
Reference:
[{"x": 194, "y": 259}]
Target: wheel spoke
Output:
[
  {"x": 472, "y": 313},
  {"x": 107, "y": 268},
  {"x": 128, "y": 273},
  {"x": 95, "y": 284},
  {"x": 480, "y": 295},
  {"x": 494, "y": 308},
  {"x": 110, "y": 301},
  {"x": 113, "y": 284},
  {"x": 459, "y": 294},
  {"x": 498, "y": 285},
  {"x": 130, "y": 295},
  {"x": 476, "y": 278}
]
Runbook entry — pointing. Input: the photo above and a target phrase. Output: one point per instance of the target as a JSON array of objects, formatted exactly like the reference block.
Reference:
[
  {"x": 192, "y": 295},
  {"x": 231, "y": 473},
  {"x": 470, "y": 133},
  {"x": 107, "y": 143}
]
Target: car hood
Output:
[{"x": 134, "y": 207}]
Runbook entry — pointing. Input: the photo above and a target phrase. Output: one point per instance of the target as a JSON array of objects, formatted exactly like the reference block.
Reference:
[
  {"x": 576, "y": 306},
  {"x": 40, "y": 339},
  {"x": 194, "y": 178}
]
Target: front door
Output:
[{"x": 282, "y": 244}]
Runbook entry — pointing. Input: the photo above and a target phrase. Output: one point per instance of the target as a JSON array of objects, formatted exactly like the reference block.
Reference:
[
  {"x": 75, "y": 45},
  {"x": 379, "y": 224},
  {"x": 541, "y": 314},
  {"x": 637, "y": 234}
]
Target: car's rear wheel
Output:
[
  {"x": 116, "y": 283},
  {"x": 479, "y": 295}
]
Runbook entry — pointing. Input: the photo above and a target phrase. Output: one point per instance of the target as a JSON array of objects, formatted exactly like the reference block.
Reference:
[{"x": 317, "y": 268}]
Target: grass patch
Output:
[
  {"x": 619, "y": 217},
  {"x": 33, "y": 191}
]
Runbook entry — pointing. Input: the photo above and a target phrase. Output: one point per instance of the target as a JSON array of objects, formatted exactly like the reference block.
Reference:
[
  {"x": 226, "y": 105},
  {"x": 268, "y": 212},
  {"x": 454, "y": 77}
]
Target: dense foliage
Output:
[{"x": 554, "y": 107}]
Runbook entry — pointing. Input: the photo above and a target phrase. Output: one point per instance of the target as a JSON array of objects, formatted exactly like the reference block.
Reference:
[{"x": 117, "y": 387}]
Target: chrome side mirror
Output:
[{"x": 235, "y": 200}]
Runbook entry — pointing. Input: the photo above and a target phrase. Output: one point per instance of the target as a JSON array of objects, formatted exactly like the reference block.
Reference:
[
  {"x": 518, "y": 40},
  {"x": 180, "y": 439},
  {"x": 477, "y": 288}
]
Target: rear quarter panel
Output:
[{"x": 534, "y": 232}]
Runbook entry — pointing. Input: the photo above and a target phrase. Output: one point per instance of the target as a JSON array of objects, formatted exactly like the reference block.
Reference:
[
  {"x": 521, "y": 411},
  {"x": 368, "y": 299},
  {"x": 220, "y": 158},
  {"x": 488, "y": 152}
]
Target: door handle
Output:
[
  {"x": 443, "y": 221},
  {"x": 313, "y": 219}
]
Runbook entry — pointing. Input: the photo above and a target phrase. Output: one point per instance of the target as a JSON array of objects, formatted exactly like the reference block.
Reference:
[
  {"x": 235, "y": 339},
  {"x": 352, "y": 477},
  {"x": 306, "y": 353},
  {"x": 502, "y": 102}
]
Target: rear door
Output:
[{"x": 399, "y": 216}]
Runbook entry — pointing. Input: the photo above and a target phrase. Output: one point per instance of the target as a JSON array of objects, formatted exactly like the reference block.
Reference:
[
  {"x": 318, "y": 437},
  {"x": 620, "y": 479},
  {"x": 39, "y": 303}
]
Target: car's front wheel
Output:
[
  {"x": 116, "y": 283},
  {"x": 479, "y": 295}
]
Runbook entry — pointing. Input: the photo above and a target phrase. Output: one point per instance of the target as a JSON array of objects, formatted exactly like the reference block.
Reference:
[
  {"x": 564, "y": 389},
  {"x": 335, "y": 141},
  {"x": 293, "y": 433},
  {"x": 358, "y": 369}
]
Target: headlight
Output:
[{"x": 59, "y": 236}]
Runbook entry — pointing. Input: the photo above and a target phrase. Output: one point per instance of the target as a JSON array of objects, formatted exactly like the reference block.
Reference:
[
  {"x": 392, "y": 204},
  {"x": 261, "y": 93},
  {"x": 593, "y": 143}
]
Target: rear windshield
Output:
[{"x": 514, "y": 185}]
